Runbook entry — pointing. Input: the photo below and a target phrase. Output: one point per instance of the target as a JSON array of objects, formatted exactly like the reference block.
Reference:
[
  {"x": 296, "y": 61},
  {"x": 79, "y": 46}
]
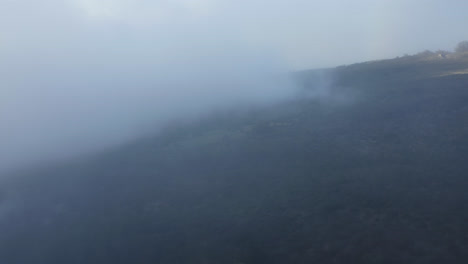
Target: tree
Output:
[{"x": 462, "y": 47}]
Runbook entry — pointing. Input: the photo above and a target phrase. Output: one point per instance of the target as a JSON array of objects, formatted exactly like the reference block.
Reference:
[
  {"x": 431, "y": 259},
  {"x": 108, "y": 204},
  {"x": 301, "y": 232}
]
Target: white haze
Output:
[
  {"x": 77, "y": 79},
  {"x": 81, "y": 75}
]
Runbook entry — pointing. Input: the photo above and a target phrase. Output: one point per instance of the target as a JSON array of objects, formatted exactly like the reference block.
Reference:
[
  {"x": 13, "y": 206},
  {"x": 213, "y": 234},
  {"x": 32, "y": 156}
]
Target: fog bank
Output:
[{"x": 77, "y": 79}]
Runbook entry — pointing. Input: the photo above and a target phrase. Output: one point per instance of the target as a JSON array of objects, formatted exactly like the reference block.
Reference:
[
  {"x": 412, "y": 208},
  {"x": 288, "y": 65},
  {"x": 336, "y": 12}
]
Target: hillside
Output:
[{"x": 369, "y": 166}]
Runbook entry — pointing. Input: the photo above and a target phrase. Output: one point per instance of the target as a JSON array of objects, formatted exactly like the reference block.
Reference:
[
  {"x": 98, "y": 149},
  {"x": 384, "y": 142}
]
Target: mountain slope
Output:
[{"x": 368, "y": 167}]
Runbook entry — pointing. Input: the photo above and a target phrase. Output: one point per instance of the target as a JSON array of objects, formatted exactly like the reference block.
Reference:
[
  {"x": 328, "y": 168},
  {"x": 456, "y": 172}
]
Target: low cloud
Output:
[{"x": 77, "y": 78}]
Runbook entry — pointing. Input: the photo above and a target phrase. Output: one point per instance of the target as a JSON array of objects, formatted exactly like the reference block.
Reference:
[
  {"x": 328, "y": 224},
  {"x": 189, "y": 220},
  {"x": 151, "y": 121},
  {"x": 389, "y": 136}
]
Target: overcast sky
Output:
[
  {"x": 78, "y": 75},
  {"x": 304, "y": 33}
]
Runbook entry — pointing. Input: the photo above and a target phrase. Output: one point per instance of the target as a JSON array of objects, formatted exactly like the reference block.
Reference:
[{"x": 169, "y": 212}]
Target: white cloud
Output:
[{"x": 74, "y": 83}]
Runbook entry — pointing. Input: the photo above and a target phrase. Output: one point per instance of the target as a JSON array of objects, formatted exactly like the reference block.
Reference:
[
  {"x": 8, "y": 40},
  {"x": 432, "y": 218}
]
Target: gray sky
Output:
[
  {"x": 304, "y": 33},
  {"x": 79, "y": 75}
]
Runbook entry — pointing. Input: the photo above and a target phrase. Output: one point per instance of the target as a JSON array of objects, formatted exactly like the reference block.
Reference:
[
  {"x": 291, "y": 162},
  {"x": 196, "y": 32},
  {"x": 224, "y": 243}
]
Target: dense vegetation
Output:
[{"x": 371, "y": 169}]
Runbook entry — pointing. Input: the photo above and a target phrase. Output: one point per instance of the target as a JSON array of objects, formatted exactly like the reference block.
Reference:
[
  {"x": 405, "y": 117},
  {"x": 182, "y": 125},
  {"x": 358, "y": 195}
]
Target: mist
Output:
[
  {"x": 214, "y": 131},
  {"x": 78, "y": 76},
  {"x": 74, "y": 83}
]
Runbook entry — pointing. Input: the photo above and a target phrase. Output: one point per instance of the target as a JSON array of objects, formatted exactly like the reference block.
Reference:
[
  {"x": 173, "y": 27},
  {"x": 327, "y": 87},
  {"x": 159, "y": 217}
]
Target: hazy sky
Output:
[
  {"x": 304, "y": 33},
  {"x": 77, "y": 75}
]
